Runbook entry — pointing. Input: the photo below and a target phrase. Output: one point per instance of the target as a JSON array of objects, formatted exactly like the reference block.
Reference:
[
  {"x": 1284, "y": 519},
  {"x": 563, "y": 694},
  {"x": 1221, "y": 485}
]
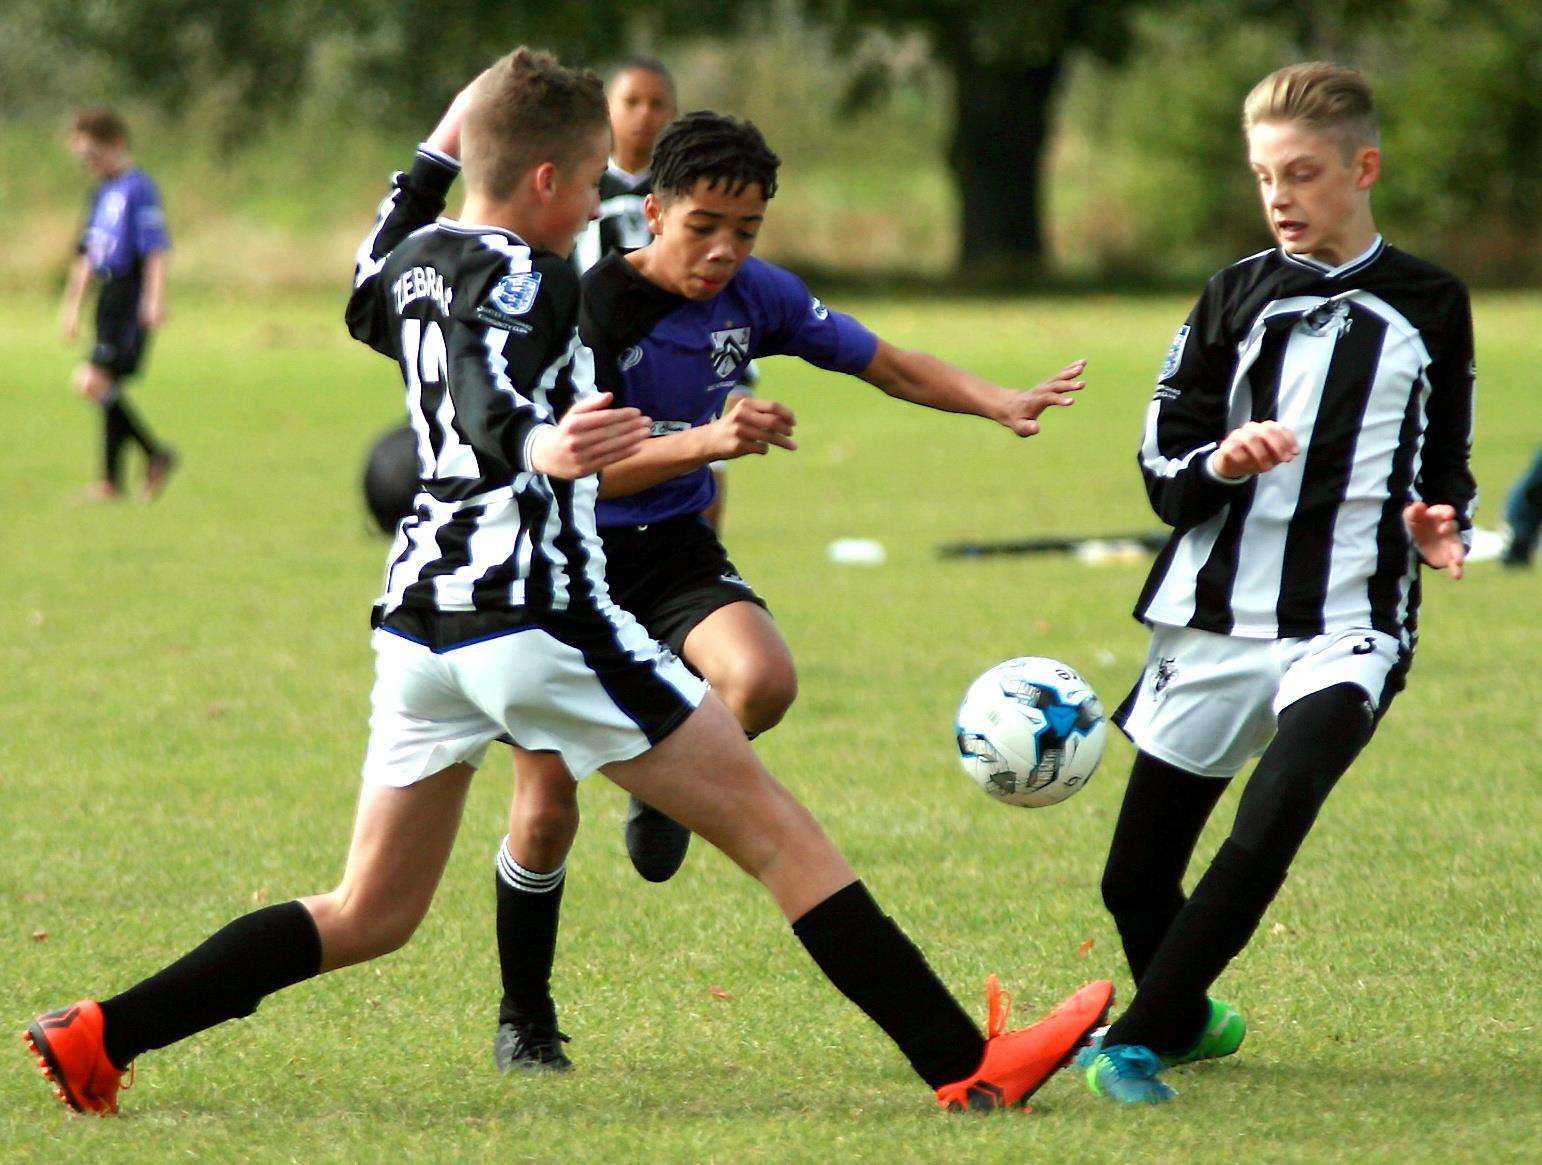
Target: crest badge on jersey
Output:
[
  {"x": 1175, "y": 353},
  {"x": 514, "y": 295},
  {"x": 1330, "y": 319},
  {"x": 821, "y": 312},
  {"x": 631, "y": 357},
  {"x": 730, "y": 350}
]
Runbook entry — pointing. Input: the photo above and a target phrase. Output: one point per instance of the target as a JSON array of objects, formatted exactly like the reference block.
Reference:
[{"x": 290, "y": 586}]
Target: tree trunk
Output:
[{"x": 1001, "y": 126}]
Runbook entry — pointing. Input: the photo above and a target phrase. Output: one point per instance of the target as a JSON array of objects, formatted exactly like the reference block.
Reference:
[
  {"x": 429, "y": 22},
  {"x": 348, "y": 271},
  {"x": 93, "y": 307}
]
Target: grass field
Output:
[{"x": 183, "y": 718}]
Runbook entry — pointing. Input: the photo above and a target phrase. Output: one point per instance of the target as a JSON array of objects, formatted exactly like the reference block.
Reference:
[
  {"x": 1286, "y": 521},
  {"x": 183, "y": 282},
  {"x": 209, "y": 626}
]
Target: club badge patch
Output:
[
  {"x": 821, "y": 312},
  {"x": 730, "y": 349},
  {"x": 1174, "y": 354},
  {"x": 631, "y": 357},
  {"x": 513, "y": 295},
  {"x": 1330, "y": 319}
]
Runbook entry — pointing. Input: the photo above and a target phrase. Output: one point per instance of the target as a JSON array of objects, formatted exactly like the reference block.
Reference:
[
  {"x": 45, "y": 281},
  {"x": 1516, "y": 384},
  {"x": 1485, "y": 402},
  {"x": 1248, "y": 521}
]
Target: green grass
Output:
[{"x": 185, "y": 691}]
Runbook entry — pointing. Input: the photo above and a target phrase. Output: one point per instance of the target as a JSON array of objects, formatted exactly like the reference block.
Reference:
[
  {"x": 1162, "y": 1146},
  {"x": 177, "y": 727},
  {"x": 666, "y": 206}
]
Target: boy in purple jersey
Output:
[
  {"x": 673, "y": 327},
  {"x": 123, "y": 250}
]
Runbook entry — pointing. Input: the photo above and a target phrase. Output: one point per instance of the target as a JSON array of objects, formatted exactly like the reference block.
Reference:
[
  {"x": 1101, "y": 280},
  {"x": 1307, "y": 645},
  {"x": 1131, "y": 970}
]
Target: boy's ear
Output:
[
  {"x": 1367, "y": 167},
  {"x": 544, "y": 181},
  {"x": 653, "y": 212}
]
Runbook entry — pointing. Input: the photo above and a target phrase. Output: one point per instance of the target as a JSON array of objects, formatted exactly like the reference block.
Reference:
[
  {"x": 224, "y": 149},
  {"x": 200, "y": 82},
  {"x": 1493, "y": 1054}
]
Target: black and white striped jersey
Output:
[
  {"x": 1370, "y": 364},
  {"x": 622, "y": 226},
  {"x": 485, "y": 331}
]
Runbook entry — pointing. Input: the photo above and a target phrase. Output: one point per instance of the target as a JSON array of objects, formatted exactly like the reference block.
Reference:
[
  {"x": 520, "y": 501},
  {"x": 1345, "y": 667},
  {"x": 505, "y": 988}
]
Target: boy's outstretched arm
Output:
[
  {"x": 416, "y": 199},
  {"x": 924, "y": 379},
  {"x": 1440, "y": 522}
]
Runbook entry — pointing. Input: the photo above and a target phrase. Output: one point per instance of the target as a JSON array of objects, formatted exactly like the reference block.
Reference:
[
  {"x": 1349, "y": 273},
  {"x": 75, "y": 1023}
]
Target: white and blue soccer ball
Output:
[{"x": 1031, "y": 731}]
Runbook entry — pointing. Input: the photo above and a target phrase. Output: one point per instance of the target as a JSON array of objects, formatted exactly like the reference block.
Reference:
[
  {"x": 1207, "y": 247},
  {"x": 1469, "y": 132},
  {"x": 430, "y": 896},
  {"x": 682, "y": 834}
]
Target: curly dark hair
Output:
[{"x": 727, "y": 152}]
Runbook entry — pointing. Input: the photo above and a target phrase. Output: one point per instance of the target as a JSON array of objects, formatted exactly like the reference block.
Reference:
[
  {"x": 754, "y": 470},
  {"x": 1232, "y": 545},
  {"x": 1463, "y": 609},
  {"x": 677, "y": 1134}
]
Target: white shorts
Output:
[
  {"x": 595, "y": 690},
  {"x": 1207, "y": 703}
]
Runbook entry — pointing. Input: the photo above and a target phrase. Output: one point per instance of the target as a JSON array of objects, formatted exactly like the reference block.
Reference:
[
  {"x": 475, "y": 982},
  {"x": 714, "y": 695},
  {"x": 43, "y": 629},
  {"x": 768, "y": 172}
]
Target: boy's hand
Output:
[
  {"x": 1022, "y": 409},
  {"x": 1255, "y": 447},
  {"x": 590, "y": 436},
  {"x": 446, "y": 135},
  {"x": 751, "y": 426},
  {"x": 152, "y": 314},
  {"x": 1436, "y": 536},
  {"x": 69, "y": 326}
]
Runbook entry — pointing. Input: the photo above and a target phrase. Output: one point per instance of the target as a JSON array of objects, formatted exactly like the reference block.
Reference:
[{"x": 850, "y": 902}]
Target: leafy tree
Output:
[{"x": 1007, "y": 62}]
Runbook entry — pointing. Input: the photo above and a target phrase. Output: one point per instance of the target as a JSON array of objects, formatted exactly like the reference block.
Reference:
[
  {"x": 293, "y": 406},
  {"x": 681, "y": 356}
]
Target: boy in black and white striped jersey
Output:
[
  {"x": 496, "y": 621},
  {"x": 1308, "y": 442}
]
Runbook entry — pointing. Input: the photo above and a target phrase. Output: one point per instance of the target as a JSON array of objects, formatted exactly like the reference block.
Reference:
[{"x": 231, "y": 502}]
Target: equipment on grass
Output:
[
  {"x": 1096, "y": 550},
  {"x": 1031, "y": 731},
  {"x": 391, "y": 477}
]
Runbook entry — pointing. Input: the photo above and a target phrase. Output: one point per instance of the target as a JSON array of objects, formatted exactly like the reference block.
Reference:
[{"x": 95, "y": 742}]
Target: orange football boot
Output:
[
  {"x": 1017, "y": 1063},
  {"x": 70, "y": 1054}
]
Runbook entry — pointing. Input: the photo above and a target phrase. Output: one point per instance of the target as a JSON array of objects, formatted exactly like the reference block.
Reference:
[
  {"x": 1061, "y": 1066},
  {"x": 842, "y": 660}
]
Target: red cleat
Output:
[
  {"x": 1017, "y": 1063},
  {"x": 71, "y": 1056}
]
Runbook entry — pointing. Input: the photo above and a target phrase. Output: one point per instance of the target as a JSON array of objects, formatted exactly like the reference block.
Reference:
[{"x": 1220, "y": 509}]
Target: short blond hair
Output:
[
  {"x": 526, "y": 110},
  {"x": 1331, "y": 99}
]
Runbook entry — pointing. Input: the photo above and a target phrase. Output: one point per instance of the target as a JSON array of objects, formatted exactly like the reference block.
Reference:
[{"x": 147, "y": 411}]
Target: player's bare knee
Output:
[
  {"x": 761, "y": 696},
  {"x": 541, "y": 834},
  {"x": 366, "y": 926}
]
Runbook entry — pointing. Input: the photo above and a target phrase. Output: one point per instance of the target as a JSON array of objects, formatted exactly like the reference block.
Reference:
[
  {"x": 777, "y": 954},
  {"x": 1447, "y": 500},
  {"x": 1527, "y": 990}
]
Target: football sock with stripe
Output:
[
  {"x": 871, "y": 962},
  {"x": 1164, "y": 810},
  {"x": 1319, "y": 737},
  {"x": 224, "y": 978},
  {"x": 529, "y": 904}
]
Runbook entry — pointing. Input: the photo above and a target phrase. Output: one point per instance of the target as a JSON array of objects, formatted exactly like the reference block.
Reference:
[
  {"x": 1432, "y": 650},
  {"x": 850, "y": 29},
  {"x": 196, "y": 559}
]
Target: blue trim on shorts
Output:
[{"x": 456, "y": 646}]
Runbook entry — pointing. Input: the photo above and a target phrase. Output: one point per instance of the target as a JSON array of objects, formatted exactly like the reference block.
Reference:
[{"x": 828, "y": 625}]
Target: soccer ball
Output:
[{"x": 1031, "y": 731}]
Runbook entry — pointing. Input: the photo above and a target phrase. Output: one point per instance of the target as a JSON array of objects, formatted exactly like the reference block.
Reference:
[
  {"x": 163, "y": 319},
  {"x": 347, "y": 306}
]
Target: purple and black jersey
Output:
[
  {"x": 125, "y": 223},
  {"x": 677, "y": 359}
]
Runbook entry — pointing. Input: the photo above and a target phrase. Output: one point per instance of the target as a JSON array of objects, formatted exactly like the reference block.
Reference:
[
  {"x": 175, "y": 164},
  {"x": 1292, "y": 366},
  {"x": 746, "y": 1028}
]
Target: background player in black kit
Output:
[
  {"x": 641, "y": 100},
  {"x": 1308, "y": 443},
  {"x": 495, "y": 620},
  {"x": 673, "y": 327},
  {"x": 123, "y": 253}
]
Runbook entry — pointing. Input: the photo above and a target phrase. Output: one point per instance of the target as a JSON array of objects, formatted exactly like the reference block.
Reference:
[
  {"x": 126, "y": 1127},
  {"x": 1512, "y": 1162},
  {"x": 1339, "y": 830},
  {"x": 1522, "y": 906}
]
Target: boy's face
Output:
[
  {"x": 704, "y": 236},
  {"x": 641, "y": 105},
  {"x": 100, "y": 159},
  {"x": 570, "y": 196},
  {"x": 1315, "y": 200}
]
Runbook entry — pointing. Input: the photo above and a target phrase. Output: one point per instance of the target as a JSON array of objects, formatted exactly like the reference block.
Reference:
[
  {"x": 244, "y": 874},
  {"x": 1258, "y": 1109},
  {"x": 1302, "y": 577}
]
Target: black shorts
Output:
[
  {"x": 671, "y": 575},
  {"x": 120, "y": 340}
]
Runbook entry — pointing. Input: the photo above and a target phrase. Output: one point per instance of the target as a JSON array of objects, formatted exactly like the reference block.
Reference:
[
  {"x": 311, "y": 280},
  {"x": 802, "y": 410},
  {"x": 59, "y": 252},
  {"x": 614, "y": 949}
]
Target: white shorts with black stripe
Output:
[
  {"x": 596, "y": 689},
  {"x": 1208, "y": 703}
]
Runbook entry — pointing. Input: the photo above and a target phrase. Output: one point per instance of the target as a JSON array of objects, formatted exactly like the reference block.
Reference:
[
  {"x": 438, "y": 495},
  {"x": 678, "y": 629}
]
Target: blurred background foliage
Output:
[{"x": 954, "y": 140}]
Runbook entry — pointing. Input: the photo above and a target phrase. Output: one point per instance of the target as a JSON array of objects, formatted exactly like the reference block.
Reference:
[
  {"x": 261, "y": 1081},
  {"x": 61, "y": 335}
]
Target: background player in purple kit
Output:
[
  {"x": 673, "y": 326},
  {"x": 123, "y": 251}
]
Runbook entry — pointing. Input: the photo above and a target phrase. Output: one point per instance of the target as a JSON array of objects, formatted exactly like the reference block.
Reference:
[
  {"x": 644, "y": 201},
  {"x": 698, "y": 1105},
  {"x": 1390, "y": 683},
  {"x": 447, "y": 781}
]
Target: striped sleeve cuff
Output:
[
  {"x": 1209, "y": 471},
  {"x": 433, "y": 169},
  {"x": 528, "y": 446}
]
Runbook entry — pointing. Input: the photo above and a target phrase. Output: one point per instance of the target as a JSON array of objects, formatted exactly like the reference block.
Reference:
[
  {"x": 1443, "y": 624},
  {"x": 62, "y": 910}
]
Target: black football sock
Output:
[
  {"x": 873, "y": 964},
  {"x": 224, "y": 978},
  {"x": 1319, "y": 737},
  {"x": 115, "y": 434},
  {"x": 529, "y": 904},
  {"x": 1165, "y": 809}
]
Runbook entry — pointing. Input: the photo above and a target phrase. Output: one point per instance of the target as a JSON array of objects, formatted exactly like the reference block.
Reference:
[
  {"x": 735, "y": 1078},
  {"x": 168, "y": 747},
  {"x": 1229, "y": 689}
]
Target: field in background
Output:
[{"x": 185, "y": 694}]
